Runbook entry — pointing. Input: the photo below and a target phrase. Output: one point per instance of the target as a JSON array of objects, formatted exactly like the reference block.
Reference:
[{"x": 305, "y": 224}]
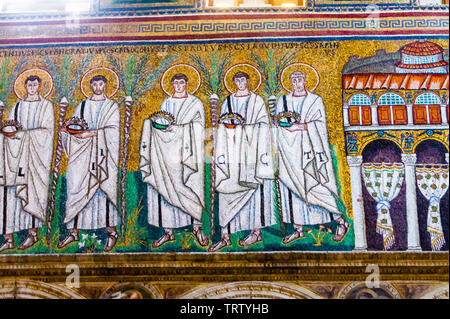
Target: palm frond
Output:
[
  {"x": 136, "y": 76},
  {"x": 212, "y": 72},
  {"x": 271, "y": 68},
  {"x": 7, "y": 76},
  {"x": 66, "y": 75}
]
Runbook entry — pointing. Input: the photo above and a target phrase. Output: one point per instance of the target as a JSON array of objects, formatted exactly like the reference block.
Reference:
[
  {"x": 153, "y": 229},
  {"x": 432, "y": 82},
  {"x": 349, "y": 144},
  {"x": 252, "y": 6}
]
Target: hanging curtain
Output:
[
  {"x": 432, "y": 181},
  {"x": 384, "y": 182}
]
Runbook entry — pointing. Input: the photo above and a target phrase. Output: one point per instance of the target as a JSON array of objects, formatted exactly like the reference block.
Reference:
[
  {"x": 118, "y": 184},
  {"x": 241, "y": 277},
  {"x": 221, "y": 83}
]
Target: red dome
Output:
[{"x": 421, "y": 48}]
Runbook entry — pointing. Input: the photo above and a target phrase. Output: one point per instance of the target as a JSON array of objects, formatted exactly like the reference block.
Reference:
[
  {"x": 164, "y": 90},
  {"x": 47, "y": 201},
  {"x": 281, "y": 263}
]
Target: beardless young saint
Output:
[
  {"x": 25, "y": 165},
  {"x": 244, "y": 167},
  {"x": 172, "y": 165}
]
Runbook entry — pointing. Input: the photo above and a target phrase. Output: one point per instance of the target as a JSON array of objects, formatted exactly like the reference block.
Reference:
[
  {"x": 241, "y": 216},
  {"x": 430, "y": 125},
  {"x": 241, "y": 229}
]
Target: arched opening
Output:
[
  {"x": 30, "y": 289},
  {"x": 427, "y": 109},
  {"x": 359, "y": 290},
  {"x": 392, "y": 110},
  {"x": 359, "y": 112},
  {"x": 131, "y": 290},
  {"x": 251, "y": 290},
  {"x": 431, "y": 152},
  {"x": 384, "y": 151}
]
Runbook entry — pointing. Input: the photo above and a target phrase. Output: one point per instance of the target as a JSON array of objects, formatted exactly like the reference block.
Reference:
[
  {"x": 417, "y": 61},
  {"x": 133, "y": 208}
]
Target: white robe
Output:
[
  {"x": 307, "y": 180},
  {"x": 25, "y": 161},
  {"x": 245, "y": 168},
  {"x": 93, "y": 168},
  {"x": 172, "y": 164}
]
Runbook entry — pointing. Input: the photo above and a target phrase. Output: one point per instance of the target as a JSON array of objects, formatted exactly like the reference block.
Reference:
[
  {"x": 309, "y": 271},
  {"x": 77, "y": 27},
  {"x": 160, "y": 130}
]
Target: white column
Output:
[
  {"x": 444, "y": 113},
  {"x": 374, "y": 113},
  {"x": 411, "y": 202},
  {"x": 345, "y": 115},
  {"x": 446, "y": 157},
  {"x": 409, "y": 112},
  {"x": 359, "y": 220}
]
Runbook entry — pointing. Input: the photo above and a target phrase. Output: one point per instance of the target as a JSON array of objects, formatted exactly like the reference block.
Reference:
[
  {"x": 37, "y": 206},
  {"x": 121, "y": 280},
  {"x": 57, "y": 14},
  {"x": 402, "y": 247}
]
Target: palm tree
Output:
[
  {"x": 271, "y": 69},
  {"x": 137, "y": 78},
  {"x": 212, "y": 73},
  {"x": 66, "y": 76},
  {"x": 8, "y": 72}
]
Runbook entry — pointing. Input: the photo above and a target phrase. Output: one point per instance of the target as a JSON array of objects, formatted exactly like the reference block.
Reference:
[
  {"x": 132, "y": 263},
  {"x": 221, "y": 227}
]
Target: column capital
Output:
[
  {"x": 409, "y": 159},
  {"x": 354, "y": 161}
]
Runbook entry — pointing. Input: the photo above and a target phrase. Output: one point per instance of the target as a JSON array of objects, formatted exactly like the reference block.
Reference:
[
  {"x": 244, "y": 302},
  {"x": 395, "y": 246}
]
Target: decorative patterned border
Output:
[
  {"x": 199, "y": 9},
  {"x": 107, "y": 5},
  {"x": 365, "y": 137},
  {"x": 356, "y": 3},
  {"x": 221, "y": 27},
  {"x": 222, "y": 267}
]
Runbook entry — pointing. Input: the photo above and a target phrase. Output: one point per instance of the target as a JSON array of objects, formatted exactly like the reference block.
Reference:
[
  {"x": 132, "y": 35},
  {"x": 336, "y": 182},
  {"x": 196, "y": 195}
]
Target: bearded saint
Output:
[
  {"x": 307, "y": 180},
  {"x": 172, "y": 164},
  {"x": 244, "y": 167},
  {"x": 25, "y": 165},
  {"x": 93, "y": 167}
]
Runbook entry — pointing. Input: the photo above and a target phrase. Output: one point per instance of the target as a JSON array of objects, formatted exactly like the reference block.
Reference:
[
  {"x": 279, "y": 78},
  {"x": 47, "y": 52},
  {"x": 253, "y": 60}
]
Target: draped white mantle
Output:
[
  {"x": 384, "y": 182},
  {"x": 432, "y": 181}
]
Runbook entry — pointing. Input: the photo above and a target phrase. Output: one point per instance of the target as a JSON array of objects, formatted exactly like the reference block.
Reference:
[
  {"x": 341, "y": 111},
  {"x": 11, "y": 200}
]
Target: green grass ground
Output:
[{"x": 139, "y": 234}]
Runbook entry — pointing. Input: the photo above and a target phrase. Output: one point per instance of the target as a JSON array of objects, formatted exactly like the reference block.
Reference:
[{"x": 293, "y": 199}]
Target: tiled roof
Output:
[
  {"x": 421, "y": 48},
  {"x": 395, "y": 81},
  {"x": 421, "y": 66}
]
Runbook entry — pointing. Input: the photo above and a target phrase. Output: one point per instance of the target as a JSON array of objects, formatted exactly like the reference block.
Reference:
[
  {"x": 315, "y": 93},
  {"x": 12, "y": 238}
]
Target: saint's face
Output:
[
  {"x": 241, "y": 83},
  {"x": 98, "y": 87},
  {"x": 298, "y": 83},
  {"x": 179, "y": 85},
  {"x": 32, "y": 87}
]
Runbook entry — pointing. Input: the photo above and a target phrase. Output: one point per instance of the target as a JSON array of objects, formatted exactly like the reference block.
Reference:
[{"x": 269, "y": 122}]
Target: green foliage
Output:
[
  {"x": 271, "y": 68},
  {"x": 8, "y": 74},
  {"x": 212, "y": 72},
  {"x": 134, "y": 233},
  {"x": 136, "y": 75},
  {"x": 66, "y": 75}
]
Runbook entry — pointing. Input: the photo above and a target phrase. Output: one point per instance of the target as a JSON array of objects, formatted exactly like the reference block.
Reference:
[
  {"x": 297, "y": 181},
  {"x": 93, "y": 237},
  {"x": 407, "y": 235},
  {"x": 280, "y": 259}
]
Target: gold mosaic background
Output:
[{"x": 327, "y": 57}]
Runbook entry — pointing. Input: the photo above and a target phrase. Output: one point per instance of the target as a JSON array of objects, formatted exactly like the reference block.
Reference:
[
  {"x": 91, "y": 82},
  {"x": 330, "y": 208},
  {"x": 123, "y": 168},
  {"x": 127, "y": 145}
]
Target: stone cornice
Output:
[
  {"x": 133, "y": 12},
  {"x": 224, "y": 27},
  {"x": 230, "y": 266}
]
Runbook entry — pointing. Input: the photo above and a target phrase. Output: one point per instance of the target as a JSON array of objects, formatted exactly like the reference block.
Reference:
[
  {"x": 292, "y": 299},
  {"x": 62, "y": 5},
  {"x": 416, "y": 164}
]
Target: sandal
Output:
[
  {"x": 167, "y": 237},
  {"x": 248, "y": 241},
  {"x": 31, "y": 239},
  {"x": 69, "y": 239},
  {"x": 297, "y": 234},
  {"x": 200, "y": 237},
  {"x": 9, "y": 244},
  {"x": 224, "y": 242},
  {"x": 341, "y": 231},
  {"x": 110, "y": 241}
]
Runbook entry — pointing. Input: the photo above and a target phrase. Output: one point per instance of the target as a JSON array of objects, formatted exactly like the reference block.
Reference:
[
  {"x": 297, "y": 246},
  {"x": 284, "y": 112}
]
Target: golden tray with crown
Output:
[
  {"x": 294, "y": 117},
  {"x": 75, "y": 125},
  {"x": 162, "y": 120},
  {"x": 229, "y": 119},
  {"x": 10, "y": 128}
]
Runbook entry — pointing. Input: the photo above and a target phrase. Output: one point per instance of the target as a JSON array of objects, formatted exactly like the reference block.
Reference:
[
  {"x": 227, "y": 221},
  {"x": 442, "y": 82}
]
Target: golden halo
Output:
[
  {"x": 312, "y": 76},
  {"x": 254, "y": 74},
  {"x": 194, "y": 79},
  {"x": 111, "y": 87},
  {"x": 46, "y": 84}
]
